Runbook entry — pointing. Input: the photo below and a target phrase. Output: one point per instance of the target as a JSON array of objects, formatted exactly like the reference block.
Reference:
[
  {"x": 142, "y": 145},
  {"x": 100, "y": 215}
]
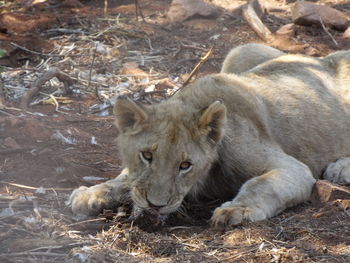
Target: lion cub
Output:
[{"x": 255, "y": 134}]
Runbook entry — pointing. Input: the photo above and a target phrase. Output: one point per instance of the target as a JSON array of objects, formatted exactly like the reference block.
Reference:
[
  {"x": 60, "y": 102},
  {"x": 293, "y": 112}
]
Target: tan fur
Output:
[
  {"x": 257, "y": 132},
  {"x": 238, "y": 62}
]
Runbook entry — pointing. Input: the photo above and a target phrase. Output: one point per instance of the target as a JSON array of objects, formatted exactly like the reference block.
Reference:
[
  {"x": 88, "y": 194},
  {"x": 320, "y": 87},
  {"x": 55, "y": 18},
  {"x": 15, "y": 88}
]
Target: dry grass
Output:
[{"x": 38, "y": 227}]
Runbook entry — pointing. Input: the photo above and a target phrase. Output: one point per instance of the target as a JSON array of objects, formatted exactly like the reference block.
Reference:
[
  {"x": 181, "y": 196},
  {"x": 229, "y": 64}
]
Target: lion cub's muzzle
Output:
[
  {"x": 163, "y": 204},
  {"x": 153, "y": 206}
]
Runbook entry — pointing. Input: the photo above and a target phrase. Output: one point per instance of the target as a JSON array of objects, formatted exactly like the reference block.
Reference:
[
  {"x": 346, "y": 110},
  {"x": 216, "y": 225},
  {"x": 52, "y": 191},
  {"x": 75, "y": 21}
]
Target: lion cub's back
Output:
[
  {"x": 327, "y": 77},
  {"x": 339, "y": 63},
  {"x": 308, "y": 104}
]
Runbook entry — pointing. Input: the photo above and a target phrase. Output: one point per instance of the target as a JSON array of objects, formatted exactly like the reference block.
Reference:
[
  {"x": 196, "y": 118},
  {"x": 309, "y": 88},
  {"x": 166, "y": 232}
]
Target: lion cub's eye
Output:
[
  {"x": 146, "y": 156},
  {"x": 185, "y": 166}
]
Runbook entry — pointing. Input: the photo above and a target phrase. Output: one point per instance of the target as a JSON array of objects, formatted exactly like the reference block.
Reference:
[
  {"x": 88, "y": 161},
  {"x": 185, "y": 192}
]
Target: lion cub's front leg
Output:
[
  {"x": 89, "y": 201},
  {"x": 267, "y": 195}
]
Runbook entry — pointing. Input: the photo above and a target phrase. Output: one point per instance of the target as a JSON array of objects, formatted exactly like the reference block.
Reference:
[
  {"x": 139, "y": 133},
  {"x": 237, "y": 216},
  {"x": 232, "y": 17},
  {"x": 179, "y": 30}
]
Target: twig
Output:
[
  {"x": 12, "y": 151},
  {"x": 105, "y": 7},
  {"x": 90, "y": 73},
  {"x": 190, "y": 245},
  {"x": 2, "y": 92},
  {"x": 34, "y": 52},
  {"x": 198, "y": 66},
  {"x": 178, "y": 227},
  {"x": 255, "y": 23},
  {"x": 193, "y": 47},
  {"x": 7, "y": 114},
  {"x": 45, "y": 54},
  {"x": 36, "y": 188},
  {"x": 181, "y": 61},
  {"x": 57, "y": 247},
  {"x": 240, "y": 254},
  {"x": 54, "y": 101},
  {"x": 37, "y": 85},
  {"x": 328, "y": 33},
  {"x": 36, "y": 210},
  {"x": 21, "y": 110},
  {"x": 138, "y": 10},
  {"x": 45, "y": 254},
  {"x": 128, "y": 247},
  {"x": 64, "y": 31},
  {"x": 87, "y": 221}
]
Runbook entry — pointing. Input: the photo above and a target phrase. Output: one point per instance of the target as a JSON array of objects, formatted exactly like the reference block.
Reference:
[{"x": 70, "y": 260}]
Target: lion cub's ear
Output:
[
  {"x": 129, "y": 114},
  {"x": 212, "y": 121}
]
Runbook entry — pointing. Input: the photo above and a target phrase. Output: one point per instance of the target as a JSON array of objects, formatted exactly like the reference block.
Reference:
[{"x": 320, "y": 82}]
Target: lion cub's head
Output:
[{"x": 168, "y": 148}]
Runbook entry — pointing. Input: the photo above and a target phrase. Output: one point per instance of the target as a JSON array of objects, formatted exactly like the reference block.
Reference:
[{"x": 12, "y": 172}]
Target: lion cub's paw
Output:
[
  {"x": 90, "y": 201},
  {"x": 227, "y": 216},
  {"x": 339, "y": 171}
]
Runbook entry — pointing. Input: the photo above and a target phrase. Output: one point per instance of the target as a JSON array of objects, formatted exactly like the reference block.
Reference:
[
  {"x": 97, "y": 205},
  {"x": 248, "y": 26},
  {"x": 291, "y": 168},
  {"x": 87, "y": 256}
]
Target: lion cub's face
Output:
[{"x": 168, "y": 148}]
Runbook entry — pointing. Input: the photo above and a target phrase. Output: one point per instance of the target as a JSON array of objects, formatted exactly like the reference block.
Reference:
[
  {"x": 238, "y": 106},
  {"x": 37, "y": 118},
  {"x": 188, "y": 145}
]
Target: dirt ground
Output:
[{"x": 62, "y": 141}]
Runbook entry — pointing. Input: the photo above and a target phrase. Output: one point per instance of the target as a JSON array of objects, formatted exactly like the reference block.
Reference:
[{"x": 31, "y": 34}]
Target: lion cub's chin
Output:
[{"x": 151, "y": 216}]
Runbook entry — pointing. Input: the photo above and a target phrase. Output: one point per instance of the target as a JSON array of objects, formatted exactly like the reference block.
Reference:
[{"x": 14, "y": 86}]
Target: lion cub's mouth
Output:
[
  {"x": 141, "y": 204},
  {"x": 148, "y": 216}
]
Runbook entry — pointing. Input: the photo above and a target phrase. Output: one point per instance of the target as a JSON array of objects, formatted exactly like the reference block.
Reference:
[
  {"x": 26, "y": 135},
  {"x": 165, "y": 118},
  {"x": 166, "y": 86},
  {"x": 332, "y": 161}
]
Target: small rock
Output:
[
  {"x": 132, "y": 68},
  {"x": 101, "y": 48},
  {"x": 325, "y": 191},
  {"x": 121, "y": 212},
  {"x": 342, "y": 204},
  {"x": 346, "y": 34},
  {"x": 14, "y": 122},
  {"x": 72, "y": 4},
  {"x": 46, "y": 151},
  {"x": 311, "y": 51},
  {"x": 181, "y": 10},
  {"x": 37, "y": 130},
  {"x": 286, "y": 30},
  {"x": 306, "y": 14},
  {"x": 11, "y": 143},
  {"x": 201, "y": 24}
]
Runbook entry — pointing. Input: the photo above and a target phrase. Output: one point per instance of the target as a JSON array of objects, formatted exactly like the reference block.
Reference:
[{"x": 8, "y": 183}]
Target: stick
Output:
[
  {"x": 190, "y": 60},
  {"x": 34, "y": 52},
  {"x": 255, "y": 23},
  {"x": 16, "y": 109},
  {"x": 6, "y": 113},
  {"x": 105, "y": 7},
  {"x": 57, "y": 247},
  {"x": 44, "y": 54},
  {"x": 198, "y": 66},
  {"x": 36, "y": 188},
  {"x": 194, "y": 47},
  {"x": 329, "y": 34},
  {"x": 138, "y": 10},
  {"x": 87, "y": 221},
  {"x": 44, "y": 254},
  {"x": 2, "y": 93},
  {"x": 90, "y": 74},
  {"x": 37, "y": 85},
  {"x": 11, "y": 151},
  {"x": 54, "y": 101},
  {"x": 64, "y": 31}
]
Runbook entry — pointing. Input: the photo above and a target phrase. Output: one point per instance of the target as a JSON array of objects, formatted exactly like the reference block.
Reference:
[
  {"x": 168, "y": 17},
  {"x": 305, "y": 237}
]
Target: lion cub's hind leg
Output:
[
  {"x": 339, "y": 171},
  {"x": 246, "y": 57}
]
